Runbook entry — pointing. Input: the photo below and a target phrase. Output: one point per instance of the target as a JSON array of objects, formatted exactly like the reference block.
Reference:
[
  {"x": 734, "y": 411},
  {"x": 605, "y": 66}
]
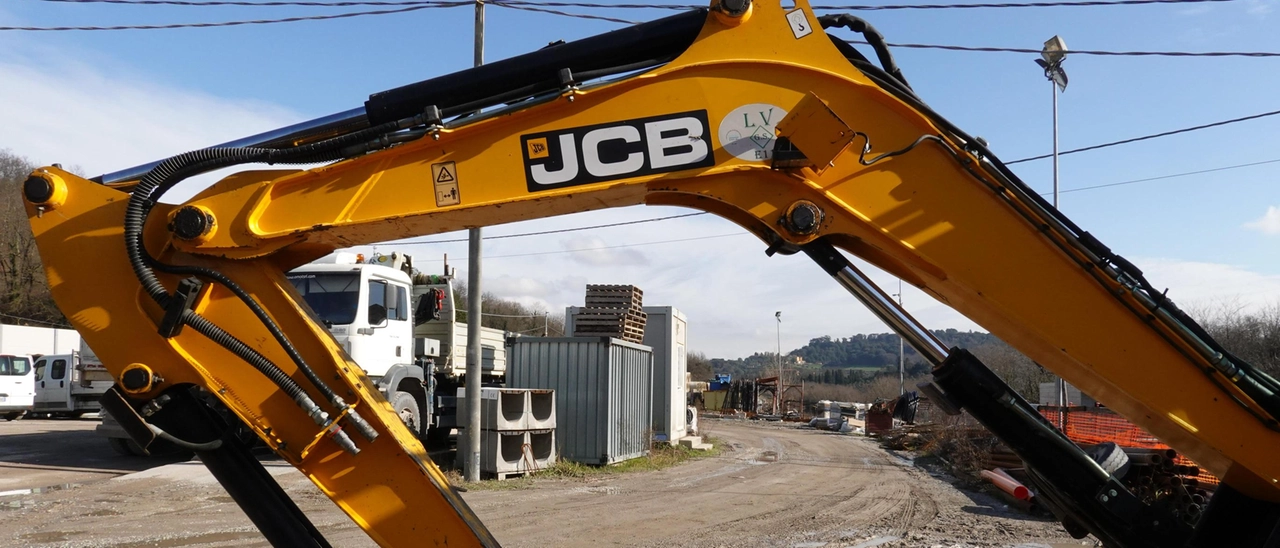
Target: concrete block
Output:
[
  {"x": 542, "y": 409},
  {"x": 502, "y": 409},
  {"x": 695, "y": 443}
]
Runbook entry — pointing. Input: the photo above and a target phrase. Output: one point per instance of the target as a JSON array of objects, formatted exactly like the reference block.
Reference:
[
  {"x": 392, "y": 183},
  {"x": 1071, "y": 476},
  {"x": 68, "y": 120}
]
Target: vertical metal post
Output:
[
  {"x": 474, "y": 295},
  {"x": 777, "y": 407},
  {"x": 1053, "y": 86},
  {"x": 1060, "y": 384},
  {"x": 902, "y": 357}
]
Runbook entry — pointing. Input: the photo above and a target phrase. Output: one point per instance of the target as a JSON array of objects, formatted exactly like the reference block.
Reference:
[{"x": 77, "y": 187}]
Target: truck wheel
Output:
[
  {"x": 1112, "y": 458},
  {"x": 407, "y": 408},
  {"x": 16, "y": 415}
]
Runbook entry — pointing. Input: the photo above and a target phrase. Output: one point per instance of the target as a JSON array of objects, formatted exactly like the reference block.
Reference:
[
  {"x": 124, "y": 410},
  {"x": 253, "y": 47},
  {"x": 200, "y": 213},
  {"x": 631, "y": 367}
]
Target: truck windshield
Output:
[
  {"x": 334, "y": 297},
  {"x": 11, "y": 365}
]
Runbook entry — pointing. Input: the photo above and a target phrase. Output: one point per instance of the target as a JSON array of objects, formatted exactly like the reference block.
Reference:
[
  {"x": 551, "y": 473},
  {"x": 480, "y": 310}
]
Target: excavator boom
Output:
[{"x": 745, "y": 110}]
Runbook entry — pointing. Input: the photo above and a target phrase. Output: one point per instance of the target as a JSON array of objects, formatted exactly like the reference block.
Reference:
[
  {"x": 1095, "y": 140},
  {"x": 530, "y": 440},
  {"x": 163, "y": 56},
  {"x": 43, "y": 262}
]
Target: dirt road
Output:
[{"x": 774, "y": 485}]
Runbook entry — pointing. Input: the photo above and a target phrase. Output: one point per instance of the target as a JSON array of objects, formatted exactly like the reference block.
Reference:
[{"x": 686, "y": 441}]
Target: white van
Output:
[
  {"x": 17, "y": 386},
  {"x": 67, "y": 386}
]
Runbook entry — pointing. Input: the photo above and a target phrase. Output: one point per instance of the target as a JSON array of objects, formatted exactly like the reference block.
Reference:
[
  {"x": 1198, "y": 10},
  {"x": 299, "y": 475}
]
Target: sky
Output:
[{"x": 102, "y": 101}]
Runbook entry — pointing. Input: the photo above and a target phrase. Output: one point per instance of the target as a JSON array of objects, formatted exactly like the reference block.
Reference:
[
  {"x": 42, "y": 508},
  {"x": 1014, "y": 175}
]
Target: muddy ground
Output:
[{"x": 772, "y": 485}]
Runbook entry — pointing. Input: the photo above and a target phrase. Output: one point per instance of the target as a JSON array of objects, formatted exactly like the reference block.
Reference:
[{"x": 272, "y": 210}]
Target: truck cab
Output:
[
  {"x": 365, "y": 307},
  {"x": 404, "y": 335},
  {"x": 69, "y": 385},
  {"x": 17, "y": 386}
]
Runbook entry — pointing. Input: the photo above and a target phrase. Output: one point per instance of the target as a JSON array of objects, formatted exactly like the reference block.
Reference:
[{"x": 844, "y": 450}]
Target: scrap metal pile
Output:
[{"x": 1159, "y": 477}]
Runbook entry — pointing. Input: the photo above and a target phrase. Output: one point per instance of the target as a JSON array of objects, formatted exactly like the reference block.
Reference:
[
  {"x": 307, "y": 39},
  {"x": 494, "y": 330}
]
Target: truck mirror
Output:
[{"x": 377, "y": 315}]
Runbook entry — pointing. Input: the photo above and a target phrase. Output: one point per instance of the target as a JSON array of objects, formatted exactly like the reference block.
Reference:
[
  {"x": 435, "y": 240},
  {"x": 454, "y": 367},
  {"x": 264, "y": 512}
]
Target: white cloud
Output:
[
  {"x": 593, "y": 251},
  {"x": 59, "y": 110},
  {"x": 1269, "y": 223},
  {"x": 1196, "y": 285},
  {"x": 1259, "y": 7}
]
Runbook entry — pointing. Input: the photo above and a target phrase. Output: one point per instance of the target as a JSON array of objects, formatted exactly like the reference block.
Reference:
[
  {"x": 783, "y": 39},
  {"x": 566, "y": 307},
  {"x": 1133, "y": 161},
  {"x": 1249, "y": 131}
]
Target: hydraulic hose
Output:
[
  {"x": 873, "y": 36},
  {"x": 168, "y": 173}
]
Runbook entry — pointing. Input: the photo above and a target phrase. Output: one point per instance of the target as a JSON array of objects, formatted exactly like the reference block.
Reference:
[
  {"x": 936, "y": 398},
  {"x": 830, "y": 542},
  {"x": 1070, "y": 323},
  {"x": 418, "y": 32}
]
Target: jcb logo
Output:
[{"x": 630, "y": 148}]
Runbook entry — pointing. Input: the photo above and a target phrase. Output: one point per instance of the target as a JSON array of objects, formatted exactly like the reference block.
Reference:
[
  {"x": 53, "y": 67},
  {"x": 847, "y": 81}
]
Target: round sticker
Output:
[{"x": 748, "y": 131}]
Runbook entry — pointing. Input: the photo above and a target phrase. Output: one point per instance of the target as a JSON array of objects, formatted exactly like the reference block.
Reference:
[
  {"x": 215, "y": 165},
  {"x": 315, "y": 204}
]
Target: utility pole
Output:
[
  {"x": 474, "y": 293},
  {"x": 777, "y": 407},
  {"x": 902, "y": 358}
]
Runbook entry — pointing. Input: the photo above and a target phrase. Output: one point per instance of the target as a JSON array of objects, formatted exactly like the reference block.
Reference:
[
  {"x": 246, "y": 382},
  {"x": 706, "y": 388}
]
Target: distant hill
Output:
[{"x": 867, "y": 352}]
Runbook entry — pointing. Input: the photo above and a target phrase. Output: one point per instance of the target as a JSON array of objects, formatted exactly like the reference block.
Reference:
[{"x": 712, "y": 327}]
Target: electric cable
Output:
[
  {"x": 1091, "y": 52},
  {"x": 1170, "y": 176},
  {"x": 601, "y": 248},
  {"x": 238, "y": 23},
  {"x": 546, "y": 232},
  {"x": 1148, "y": 137},
  {"x": 33, "y": 320},
  {"x": 598, "y": 5}
]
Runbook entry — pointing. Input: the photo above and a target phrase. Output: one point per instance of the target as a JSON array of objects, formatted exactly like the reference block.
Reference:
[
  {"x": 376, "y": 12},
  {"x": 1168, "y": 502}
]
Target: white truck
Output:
[
  {"x": 17, "y": 386},
  {"x": 18, "y": 345},
  {"x": 69, "y": 385},
  {"x": 405, "y": 336}
]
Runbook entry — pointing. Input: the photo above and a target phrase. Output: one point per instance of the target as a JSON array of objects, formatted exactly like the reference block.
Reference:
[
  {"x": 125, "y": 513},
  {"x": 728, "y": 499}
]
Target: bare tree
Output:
[
  {"x": 1021, "y": 373},
  {"x": 24, "y": 290},
  {"x": 508, "y": 315},
  {"x": 1252, "y": 336},
  {"x": 699, "y": 366}
]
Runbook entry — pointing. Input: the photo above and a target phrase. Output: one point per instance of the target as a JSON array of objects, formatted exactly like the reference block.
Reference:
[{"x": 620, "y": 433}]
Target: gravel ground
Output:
[{"x": 773, "y": 485}]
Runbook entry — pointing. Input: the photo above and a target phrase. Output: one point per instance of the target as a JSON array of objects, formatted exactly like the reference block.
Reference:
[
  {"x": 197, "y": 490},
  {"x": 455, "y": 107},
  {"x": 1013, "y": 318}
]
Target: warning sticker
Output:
[
  {"x": 445, "y": 176},
  {"x": 748, "y": 131},
  {"x": 799, "y": 24}
]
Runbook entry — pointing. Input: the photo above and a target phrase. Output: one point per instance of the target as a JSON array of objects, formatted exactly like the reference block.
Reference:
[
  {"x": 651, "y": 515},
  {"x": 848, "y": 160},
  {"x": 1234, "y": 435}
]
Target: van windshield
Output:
[
  {"x": 15, "y": 366},
  {"x": 333, "y": 296}
]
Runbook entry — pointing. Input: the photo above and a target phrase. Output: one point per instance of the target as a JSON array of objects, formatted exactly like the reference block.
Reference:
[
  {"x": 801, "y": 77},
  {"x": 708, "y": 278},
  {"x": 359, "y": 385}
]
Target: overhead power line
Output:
[
  {"x": 545, "y": 232},
  {"x": 247, "y": 22},
  {"x": 32, "y": 320},
  {"x": 586, "y": 249},
  {"x": 1170, "y": 176},
  {"x": 599, "y": 5},
  {"x": 1147, "y": 137},
  {"x": 1105, "y": 53},
  {"x": 537, "y": 7}
]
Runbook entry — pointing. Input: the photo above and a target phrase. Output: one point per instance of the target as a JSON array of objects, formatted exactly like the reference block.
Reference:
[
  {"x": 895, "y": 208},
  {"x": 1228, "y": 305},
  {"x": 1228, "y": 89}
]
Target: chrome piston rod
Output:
[
  {"x": 879, "y": 302},
  {"x": 294, "y": 135}
]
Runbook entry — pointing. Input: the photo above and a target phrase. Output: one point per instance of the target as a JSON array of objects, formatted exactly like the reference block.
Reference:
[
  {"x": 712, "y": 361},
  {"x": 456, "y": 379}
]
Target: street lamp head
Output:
[
  {"x": 1055, "y": 50},
  {"x": 778, "y": 315}
]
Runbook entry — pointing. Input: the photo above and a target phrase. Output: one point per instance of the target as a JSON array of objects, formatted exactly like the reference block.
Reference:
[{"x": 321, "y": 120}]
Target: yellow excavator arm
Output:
[{"x": 745, "y": 110}]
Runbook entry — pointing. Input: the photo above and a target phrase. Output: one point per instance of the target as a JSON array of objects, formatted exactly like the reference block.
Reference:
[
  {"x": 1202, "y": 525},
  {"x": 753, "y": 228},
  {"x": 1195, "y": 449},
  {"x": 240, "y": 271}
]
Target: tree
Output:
[
  {"x": 24, "y": 290},
  {"x": 1252, "y": 337},
  {"x": 699, "y": 366},
  {"x": 508, "y": 315}
]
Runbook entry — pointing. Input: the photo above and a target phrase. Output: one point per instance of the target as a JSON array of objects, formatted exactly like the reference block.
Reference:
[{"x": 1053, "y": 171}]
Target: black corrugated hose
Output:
[{"x": 162, "y": 178}]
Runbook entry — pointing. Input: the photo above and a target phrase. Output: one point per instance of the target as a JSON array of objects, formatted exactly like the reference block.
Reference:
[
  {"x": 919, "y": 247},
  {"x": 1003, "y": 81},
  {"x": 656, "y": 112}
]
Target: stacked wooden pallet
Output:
[{"x": 612, "y": 311}]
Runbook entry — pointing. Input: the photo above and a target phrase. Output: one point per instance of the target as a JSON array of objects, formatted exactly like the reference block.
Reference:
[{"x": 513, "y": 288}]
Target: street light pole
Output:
[
  {"x": 902, "y": 357},
  {"x": 777, "y": 407},
  {"x": 1053, "y": 86},
  {"x": 1051, "y": 58}
]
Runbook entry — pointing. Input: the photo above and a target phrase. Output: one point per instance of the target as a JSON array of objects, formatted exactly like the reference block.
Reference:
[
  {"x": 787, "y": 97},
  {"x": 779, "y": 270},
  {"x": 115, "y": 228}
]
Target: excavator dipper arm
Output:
[{"x": 746, "y": 110}]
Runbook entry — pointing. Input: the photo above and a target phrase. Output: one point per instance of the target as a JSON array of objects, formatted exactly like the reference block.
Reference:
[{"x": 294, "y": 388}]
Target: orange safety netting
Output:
[{"x": 1094, "y": 426}]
